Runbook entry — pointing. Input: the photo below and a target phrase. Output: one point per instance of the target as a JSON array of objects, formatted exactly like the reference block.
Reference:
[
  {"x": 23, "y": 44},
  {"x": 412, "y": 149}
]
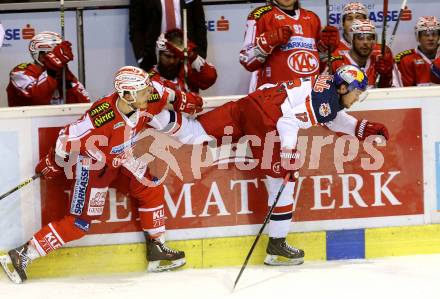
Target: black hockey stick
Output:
[
  {"x": 21, "y": 185},
  {"x": 266, "y": 220}
]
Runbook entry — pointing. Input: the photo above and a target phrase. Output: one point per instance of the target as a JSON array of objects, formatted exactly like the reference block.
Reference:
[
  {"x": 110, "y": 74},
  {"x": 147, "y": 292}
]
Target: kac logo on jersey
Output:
[{"x": 303, "y": 62}]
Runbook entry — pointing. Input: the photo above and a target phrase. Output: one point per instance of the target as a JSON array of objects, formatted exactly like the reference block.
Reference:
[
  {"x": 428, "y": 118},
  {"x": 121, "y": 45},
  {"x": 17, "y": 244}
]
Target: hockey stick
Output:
[
  {"x": 384, "y": 30},
  {"x": 63, "y": 80},
  {"x": 393, "y": 34},
  {"x": 21, "y": 185},
  {"x": 329, "y": 52},
  {"x": 185, "y": 46},
  {"x": 266, "y": 220}
]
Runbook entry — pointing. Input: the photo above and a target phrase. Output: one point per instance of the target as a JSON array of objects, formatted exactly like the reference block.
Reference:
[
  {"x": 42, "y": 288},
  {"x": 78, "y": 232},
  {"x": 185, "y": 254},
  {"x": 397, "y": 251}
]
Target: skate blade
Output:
[
  {"x": 6, "y": 263},
  {"x": 155, "y": 266},
  {"x": 275, "y": 260}
]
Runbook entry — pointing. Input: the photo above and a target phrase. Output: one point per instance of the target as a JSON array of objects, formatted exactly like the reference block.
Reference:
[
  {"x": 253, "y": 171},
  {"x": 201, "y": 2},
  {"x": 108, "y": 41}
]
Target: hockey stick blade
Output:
[
  {"x": 21, "y": 185},
  {"x": 266, "y": 220}
]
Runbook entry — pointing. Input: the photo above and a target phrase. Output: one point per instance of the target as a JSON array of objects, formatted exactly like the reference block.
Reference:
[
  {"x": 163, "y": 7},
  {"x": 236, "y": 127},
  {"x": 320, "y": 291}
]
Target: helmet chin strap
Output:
[{"x": 130, "y": 104}]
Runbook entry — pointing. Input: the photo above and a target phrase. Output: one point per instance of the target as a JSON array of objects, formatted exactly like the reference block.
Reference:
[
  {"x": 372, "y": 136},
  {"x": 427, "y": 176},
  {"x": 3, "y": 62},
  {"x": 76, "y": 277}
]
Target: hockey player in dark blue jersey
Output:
[{"x": 283, "y": 109}]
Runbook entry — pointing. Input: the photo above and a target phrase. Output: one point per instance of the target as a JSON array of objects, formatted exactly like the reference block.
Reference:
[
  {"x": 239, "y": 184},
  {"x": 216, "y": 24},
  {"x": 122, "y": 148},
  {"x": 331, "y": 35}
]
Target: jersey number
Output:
[
  {"x": 302, "y": 117},
  {"x": 298, "y": 29}
]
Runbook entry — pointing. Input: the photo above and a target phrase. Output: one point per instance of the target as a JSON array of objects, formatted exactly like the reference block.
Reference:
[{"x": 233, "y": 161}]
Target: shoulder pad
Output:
[
  {"x": 101, "y": 113},
  {"x": 259, "y": 12},
  {"x": 154, "y": 97},
  {"x": 402, "y": 54},
  {"x": 152, "y": 73},
  {"x": 22, "y": 66},
  {"x": 339, "y": 57}
]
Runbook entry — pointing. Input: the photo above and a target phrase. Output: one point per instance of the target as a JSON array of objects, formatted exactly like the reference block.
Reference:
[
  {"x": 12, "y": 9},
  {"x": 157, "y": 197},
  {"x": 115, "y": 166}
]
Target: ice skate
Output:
[
  {"x": 162, "y": 258},
  {"x": 16, "y": 261},
  {"x": 279, "y": 253}
]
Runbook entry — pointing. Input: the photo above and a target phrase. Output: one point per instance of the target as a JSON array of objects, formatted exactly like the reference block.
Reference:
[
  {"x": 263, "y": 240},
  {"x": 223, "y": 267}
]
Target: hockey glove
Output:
[
  {"x": 48, "y": 167},
  {"x": 270, "y": 39},
  {"x": 365, "y": 128},
  {"x": 189, "y": 102},
  {"x": 59, "y": 56},
  {"x": 289, "y": 159},
  {"x": 384, "y": 63},
  {"x": 329, "y": 39},
  {"x": 192, "y": 53},
  {"x": 435, "y": 67}
]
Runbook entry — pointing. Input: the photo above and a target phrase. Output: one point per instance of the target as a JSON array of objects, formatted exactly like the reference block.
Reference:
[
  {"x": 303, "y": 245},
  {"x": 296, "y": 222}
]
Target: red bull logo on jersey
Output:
[{"x": 303, "y": 62}]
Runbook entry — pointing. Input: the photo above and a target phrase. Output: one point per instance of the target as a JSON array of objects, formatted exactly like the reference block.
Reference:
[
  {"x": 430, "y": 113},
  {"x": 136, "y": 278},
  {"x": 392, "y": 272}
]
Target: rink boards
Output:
[
  {"x": 222, "y": 252},
  {"x": 353, "y": 213}
]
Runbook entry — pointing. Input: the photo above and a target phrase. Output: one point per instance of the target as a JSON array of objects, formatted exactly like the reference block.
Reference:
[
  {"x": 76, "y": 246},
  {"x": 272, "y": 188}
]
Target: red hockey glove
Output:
[
  {"x": 288, "y": 159},
  {"x": 435, "y": 67},
  {"x": 192, "y": 53},
  {"x": 48, "y": 167},
  {"x": 59, "y": 56},
  {"x": 189, "y": 102},
  {"x": 384, "y": 64},
  {"x": 270, "y": 39},
  {"x": 329, "y": 39},
  {"x": 365, "y": 128}
]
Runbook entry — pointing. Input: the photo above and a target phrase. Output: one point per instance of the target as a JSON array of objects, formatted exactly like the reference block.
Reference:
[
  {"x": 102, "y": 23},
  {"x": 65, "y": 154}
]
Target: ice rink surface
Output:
[{"x": 395, "y": 277}]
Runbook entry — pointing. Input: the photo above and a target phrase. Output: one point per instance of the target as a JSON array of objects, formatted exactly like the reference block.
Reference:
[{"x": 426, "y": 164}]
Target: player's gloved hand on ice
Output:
[
  {"x": 329, "y": 39},
  {"x": 59, "y": 56},
  {"x": 365, "y": 128},
  {"x": 48, "y": 167},
  {"x": 268, "y": 40},
  {"x": 289, "y": 160},
  {"x": 189, "y": 102},
  {"x": 435, "y": 67}
]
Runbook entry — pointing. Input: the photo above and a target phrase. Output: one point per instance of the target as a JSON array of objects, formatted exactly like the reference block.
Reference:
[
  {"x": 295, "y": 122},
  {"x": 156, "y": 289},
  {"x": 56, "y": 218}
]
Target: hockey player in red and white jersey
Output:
[
  {"x": 366, "y": 54},
  {"x": 92, "y": 152},
  {"x": 351, "y": 11},
  {"x": 281, "y": 43},
  {"x": 170, "y": 70},
  {"x": 40, "y": 82},
  {"x": 414, "y": 65},
  {"x": 282, "y": 110}
]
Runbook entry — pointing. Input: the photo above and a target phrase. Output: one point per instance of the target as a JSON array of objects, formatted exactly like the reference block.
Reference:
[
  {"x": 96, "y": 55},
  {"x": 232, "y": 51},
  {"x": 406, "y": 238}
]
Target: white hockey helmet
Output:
[
  {"x": 362, "y": 27},
  {"x": 45, "y": 42},
  {"x": 429, "y": 23},
  {"x": 131, "y": 79},
  {"x": 354, "y": 7}
]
